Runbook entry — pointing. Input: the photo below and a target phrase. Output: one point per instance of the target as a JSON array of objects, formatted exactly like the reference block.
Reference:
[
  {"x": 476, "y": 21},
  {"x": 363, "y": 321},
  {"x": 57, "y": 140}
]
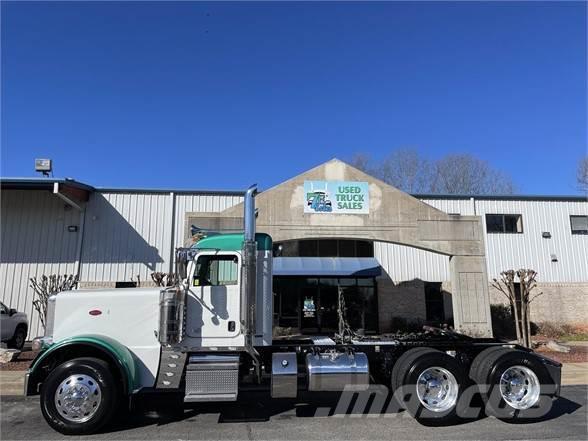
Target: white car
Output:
[{"x": 13, "y": 327}]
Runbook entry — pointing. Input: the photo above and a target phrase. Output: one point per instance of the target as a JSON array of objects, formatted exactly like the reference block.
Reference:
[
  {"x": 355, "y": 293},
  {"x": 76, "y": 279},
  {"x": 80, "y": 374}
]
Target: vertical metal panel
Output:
[
  {"x": 35, "y": 241},
  {"x": 530, "y": 249},
  {"x": 186, "y": 203},
  {"x": 126, "y": 235},
  {"x": 404, "y": 263},
  {"x": 464, "y": 207}
]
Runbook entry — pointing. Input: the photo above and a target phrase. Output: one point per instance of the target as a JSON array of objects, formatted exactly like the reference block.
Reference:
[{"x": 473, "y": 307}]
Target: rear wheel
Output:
[
  {"x": 79, "y": 396},
  {"x": 431, "y": 384},
  {"x": 517, "y": 385}
]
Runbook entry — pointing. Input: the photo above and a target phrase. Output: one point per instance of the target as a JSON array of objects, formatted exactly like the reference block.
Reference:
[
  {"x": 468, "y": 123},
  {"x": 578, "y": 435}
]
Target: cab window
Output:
[{"x": 216, "y": 271}]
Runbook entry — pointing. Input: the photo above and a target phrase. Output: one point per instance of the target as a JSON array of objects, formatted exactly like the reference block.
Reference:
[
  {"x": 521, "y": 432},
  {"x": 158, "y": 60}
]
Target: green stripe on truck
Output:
[{"x": 119, "y": 353}]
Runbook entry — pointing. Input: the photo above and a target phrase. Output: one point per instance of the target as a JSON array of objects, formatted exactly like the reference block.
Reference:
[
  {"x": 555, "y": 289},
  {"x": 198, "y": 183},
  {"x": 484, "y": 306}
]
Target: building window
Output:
[
  {"x": 579, "y": 224},
  {"x": 310, "y": 305},
  {"x": 504, "y": 223},
  {"x": 324, "y": 248}
]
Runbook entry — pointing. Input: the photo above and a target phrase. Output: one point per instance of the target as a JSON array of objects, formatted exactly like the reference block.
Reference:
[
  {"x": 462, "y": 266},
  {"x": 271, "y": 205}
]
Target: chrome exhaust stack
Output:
[{"x": 249, "y": 276}]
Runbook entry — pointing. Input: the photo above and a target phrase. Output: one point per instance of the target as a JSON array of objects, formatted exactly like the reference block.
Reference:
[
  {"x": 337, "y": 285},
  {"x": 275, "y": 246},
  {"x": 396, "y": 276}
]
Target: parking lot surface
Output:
[{"x": 256, "y": 418}]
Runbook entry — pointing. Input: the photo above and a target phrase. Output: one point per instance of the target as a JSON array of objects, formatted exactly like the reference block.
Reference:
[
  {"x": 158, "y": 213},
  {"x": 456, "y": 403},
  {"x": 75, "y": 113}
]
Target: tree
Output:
[
  {"x": 465, "y": 174},
  {"x": 45, "y": 287},
  {"x": 520, "y": 300},
  {"x": 582, "y": 174},
  {"x": 408, "y": 170}
]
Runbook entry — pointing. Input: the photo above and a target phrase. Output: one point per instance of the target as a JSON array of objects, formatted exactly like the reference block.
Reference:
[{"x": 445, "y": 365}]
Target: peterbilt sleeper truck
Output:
[{"x": 209, "y": 338}]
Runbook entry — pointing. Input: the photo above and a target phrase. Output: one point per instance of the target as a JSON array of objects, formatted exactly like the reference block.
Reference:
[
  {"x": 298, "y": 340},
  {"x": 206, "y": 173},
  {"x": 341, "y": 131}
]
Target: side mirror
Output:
[{"x": 12, "y": 311}]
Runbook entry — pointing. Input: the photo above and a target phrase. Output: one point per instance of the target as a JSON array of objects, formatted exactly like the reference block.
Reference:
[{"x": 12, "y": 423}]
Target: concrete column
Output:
[{"x": 471, "y": 305}]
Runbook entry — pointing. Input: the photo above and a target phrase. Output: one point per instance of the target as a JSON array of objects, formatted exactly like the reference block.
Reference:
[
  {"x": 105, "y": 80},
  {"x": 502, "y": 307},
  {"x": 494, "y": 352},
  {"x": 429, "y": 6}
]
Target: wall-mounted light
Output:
[
  {"x": 72, "y": 228},
  {"x": 546, "y": 235},
  {"x": 554, "y": 258},
  {"x": 44, "y": 166}
]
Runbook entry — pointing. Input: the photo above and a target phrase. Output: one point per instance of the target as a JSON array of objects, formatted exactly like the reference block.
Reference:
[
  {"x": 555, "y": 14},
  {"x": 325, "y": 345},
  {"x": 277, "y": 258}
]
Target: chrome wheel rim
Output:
[
  {"x": 520, "y": 387},
  {"x": 77, "y": 398},
  {"x": 437, "y": 389}
]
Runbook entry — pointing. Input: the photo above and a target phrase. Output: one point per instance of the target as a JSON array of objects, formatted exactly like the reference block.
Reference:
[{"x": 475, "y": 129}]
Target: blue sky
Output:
[{"x": 221, "y": 95}]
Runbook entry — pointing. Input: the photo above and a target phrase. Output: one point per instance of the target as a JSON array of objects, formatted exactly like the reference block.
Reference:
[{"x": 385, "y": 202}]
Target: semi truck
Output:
[{"x": 210, "y": 338}]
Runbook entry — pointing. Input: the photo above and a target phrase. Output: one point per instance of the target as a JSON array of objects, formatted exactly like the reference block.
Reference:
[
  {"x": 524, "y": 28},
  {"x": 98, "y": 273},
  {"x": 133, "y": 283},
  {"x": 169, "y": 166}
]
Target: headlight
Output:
[{"x": 50, "y": 319}]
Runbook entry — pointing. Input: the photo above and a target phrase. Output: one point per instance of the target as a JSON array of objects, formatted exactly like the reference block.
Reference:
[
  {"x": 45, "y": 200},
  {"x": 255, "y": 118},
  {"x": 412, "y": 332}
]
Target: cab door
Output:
[{"x": 213, "y": 301}]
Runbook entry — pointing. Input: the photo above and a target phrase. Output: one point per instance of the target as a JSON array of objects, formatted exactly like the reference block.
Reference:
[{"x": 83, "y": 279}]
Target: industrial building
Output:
[{"x": 395, "y": 256}]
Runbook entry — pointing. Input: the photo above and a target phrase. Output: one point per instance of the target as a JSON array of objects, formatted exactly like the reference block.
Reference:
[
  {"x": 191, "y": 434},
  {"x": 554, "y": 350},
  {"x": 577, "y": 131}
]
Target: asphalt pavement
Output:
[{"x": 256, "y": 418}]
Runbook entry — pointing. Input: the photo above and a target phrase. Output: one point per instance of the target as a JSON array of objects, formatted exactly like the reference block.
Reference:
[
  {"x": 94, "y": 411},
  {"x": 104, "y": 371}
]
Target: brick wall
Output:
[
  {"x": 405, "y": 300},
  {"x": 560, "y": 302}
]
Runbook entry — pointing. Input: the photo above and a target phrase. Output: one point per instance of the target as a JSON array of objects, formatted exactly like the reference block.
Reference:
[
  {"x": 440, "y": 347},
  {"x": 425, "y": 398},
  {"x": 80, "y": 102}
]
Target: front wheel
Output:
[{"x": 79, "y": 396}]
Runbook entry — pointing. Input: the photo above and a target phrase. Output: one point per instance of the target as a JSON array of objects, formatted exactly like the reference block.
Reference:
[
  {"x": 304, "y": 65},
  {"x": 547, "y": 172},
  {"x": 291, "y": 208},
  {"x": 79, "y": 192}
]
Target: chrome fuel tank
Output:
[{"x": 332, "y": 371}]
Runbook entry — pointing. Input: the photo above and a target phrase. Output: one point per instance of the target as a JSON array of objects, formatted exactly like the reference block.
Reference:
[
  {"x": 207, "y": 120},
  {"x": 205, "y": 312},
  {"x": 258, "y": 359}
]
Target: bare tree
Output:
[
  {"x": 406, "y": 170},
  {"x": 46, "y": 286},
  {"x": 362, "y": 162},
  {"x": 582, "y": 174},
  {"x": 465, "y": 174},
  {"x": 164, "y": 279},
  {"x": 409, "y": 171},
  {"x": 520, "y": 300}
]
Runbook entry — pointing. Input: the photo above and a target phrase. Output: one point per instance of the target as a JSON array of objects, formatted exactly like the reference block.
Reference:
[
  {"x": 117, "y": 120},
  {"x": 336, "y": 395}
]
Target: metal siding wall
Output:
[
  {"x": 186, "y": 203},
  {"x": 126, "y": 234},
  {"x": 464, "y": 207},
  {"x": 34, "y": 242},
  {"x": 403, "y": 263},
  {"x": 530, "y": 249}
]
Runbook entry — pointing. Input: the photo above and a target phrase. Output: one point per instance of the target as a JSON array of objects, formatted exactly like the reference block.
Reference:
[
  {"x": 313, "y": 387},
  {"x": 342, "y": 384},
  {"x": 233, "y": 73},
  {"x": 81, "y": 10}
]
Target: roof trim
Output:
[
  {"x": 41, "y": 184},
  {"x": 170, "y": 190},
  {"x": 47, "y": 183},
  {"x": 507, "y": 197}
]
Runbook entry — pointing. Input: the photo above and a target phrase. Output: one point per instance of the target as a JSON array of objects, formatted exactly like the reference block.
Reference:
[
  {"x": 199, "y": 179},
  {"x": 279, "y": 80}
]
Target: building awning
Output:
[{"x": 327, "y": 266}]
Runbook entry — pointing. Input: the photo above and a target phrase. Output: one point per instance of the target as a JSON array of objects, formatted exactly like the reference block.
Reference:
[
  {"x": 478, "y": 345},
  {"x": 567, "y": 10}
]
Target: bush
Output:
[
  {"x": 503, "y": 322},
  {"x": 556, "y": 329},
  {"x": 503, "y": 325}
]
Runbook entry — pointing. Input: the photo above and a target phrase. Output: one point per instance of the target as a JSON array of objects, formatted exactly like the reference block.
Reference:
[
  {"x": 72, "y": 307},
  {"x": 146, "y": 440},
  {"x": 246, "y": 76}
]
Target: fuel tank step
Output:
[{"x": 212, "y": 377}]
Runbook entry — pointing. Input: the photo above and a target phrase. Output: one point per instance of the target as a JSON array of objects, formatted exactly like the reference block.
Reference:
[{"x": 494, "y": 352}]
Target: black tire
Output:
[
  {"x": 99, "y": 371},
  {"x": 480, "y": 363},
  {"x": 403, "y": 364},
  {"x": 406, "y": 374},
  {"x": 18, "y": 339},
  {"x": 489, "y": 379}
]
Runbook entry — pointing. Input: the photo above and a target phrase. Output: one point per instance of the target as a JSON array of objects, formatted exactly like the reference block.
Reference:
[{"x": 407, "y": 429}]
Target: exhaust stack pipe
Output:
[{"x": 249, "y": 276}]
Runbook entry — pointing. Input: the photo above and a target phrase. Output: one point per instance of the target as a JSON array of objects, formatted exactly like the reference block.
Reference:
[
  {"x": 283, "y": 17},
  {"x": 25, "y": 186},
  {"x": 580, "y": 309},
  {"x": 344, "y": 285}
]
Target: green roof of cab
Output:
[
  {"x": 233, "y": 242},
  {"x": 119, "y": 353}
]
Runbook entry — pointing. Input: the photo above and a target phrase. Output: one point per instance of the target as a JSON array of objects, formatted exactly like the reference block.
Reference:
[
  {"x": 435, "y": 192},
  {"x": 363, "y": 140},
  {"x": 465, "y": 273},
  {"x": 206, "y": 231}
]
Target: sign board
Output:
[{"x": 340, "y": 197}]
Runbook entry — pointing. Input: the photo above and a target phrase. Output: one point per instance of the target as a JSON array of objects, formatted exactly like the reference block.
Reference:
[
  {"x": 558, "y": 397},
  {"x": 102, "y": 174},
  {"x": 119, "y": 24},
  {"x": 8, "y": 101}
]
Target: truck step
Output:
[
  {"x": 171, "y": 366},
  {"x": 212, "y": 377}
]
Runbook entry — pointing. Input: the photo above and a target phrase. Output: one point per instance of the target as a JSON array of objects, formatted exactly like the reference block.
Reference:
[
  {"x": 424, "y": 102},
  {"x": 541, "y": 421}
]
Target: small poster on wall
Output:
[
  {"x": 308, "y": 307},
  {"x": 339, "y": 197}
]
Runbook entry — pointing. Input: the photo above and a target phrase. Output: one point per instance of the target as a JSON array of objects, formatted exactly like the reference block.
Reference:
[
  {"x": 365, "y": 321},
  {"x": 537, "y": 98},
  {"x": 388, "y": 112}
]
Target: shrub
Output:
[
  {"x": 503, "y": 322},
  {"x": 556, "y": 329}
]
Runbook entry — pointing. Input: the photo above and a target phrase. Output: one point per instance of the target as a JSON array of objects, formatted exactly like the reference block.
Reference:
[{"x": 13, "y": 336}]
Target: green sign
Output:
[{"x": 342, "y": 197}]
